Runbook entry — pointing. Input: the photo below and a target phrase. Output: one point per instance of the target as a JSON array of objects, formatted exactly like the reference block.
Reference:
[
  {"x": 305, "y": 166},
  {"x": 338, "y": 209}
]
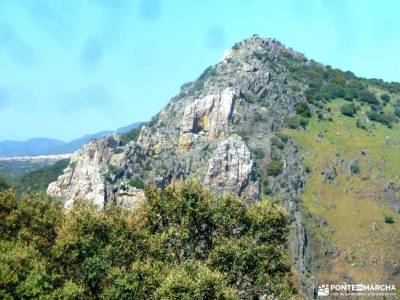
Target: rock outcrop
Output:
[
  {"x": 231, "y": 168},
  {"x": 83, "y": 179},
  {"x": 219, "y": 130}
]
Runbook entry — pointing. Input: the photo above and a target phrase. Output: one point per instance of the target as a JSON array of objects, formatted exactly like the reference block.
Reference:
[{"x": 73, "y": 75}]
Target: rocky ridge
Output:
[{"x": 222, "y": 130}]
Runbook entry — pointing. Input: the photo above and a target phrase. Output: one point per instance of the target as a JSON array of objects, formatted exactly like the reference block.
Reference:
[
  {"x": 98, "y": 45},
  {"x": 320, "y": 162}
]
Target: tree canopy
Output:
[{"x": 183, "y": 242}]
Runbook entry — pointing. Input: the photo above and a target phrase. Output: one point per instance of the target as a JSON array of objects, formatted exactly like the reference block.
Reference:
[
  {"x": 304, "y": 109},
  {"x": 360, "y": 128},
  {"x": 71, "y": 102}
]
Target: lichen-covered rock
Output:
[
  {"x": 83, "y": 178},
  {"x": 130, "y": 197},
  {"x": 231, "y": 168},
  {"x": 209, "y": 115}
]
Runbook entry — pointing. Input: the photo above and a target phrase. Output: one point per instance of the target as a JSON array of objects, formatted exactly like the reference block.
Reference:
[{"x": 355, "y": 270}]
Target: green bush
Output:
[
  {"x": 198, "y": 85},
  {"x": 116, "y": 171},
  {"x": 360, "y": 124},
  {"x": 348, "y": 110},
  {"x": 136, "y": 182},
  {"x": 267, "y": 190},
  {"x": 355, "y": 168},
  {"x": 257, "y": 117},
  {"x": 131, "y": 135},
  {"x": 374, "y": 116},
  {"x": 397, "y": 112},
  {"x": 111, "y": 142},
  {"x": 303, "y": 122},
  {"x": 385, "y": 97},
  {"x": 277, "y": 142},
  {"x": 274, "y": 168},
  {"x": 4, "y": 182},
  {"x": 368, "y": 97},
  {"x": 386, "y": 118},
  {"x": 303, "y": 110},
  {"x": 283, "y": 137},
  {"x": 389, "y": 219},
  {"x": 183, "y": 242},
  {"x": 249, "y": 96},
  {"x": 293, "y": 122}
]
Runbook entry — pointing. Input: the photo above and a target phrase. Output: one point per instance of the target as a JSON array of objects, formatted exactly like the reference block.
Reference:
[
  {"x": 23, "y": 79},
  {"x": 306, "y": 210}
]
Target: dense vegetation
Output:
[
  {"x": 350, "y": 210},
  {"x": 34, "y": 181},
  {"x": 4, "y": 182},
  {"x": 325, "y": 84},
  {"x": 38, "y": 181},
  {"x": 183, "y": 243}
]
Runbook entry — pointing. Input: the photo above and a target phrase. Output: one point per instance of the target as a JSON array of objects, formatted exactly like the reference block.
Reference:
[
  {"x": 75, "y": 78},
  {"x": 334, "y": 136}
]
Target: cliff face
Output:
[
  {"x": 221, "y": 129},
  {"x": 241, "y": 128}
]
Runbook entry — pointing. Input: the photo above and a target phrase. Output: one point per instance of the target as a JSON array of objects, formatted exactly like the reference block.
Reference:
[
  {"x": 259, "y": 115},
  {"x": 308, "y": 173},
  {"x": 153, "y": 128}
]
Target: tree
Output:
[
  {"x": 348, "y": 110},
  {"x": 183, "y": 242},
  {"x": 385, "y": 97},
  {"x": 4, "y": 182},
  {"x": 293, "y": 123},
  {"x": 274, "y": 168},
  {"x": 303, "y": 110}
]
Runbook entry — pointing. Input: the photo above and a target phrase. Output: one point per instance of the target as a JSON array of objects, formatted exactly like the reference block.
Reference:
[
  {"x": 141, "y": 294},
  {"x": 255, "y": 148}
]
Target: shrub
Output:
[
  {"x": 284, "y": 138},
  {"x": 368, "y": 97},
  {"x": 136, "y": 182},
  {"x": 303, "y": 122},
  {"x": 308, "y": 169},
  {"x": 249, "y": 96},
  {"x": 118, "y": 150},
  {"x": 116, "y": 171},
  {"x": 277, "y": 143},
  {"x": 257, "y": 117},
  {"x": 385, "y": 97},
  {"x": 293, "y": 122},
  {"x": 360, "y": 124},
  {"x": 111, "y": 142},
  {"x": 355, "y": 168},
  {"x": 209, "y": 72},
  {"x": 303, "y": 110},
  {"x": 374, "y": 116},
  {"x": 385, "y": 118},
  {"x": 4, "y": 182},
  {"x": 389, "y": 219},
  {"x": 198, "y": 85},
  {"x": 259, "y": 153},
  {"x": 183, "y": 243},
  {"x": 131, "y": 135},
  {"x": 274, "y": 168},
  {"x": 348, "y": 110},
  {"x": 267, "y": 190},
  {"x": 397, "y": 112}
]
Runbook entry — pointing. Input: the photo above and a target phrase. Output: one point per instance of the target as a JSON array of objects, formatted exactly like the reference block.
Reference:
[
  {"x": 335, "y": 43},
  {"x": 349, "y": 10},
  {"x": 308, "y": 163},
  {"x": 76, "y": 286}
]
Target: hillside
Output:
[
  {"x": 38, "y": 180},
  {"x": 267, "y": 122}
]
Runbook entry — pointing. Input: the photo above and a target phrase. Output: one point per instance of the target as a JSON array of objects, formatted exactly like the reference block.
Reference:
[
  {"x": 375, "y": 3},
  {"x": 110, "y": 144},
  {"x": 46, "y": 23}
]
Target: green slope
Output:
[{"x": 349, "y": 236}]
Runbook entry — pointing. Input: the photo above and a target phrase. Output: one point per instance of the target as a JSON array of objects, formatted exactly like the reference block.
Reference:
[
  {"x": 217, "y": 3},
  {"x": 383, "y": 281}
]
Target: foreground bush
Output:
[{"x": 183, "y": 243}]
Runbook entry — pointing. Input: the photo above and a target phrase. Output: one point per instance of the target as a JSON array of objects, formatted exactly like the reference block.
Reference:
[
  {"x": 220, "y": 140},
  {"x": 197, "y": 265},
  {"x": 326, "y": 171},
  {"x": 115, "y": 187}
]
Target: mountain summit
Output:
[{"x": 238, "y": 129}]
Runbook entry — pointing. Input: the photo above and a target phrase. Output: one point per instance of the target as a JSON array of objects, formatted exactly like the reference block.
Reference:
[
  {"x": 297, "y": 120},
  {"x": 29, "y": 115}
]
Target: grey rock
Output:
[
  {"x": 210, "y": 132},
  {"x": 231, "y": 168},
  {"x": 329, "y": 174}
]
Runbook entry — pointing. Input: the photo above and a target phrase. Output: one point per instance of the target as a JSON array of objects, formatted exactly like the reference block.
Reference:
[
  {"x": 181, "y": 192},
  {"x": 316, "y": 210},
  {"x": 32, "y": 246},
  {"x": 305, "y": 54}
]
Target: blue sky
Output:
[{"x": 70, "y": 67}]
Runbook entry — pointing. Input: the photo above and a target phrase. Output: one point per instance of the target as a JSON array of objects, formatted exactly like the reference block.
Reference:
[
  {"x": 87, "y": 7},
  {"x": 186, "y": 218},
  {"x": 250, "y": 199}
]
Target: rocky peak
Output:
[
  {"x": 220, "y": 130},
  {"x": 257, "y": 45},
  {"x": 213, "y": 131}
]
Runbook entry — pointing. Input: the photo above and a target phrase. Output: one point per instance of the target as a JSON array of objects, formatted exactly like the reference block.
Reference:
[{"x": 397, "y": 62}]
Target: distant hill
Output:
[
  {"x": 35, "y": 146},
  {"x": 46, "y": 146}
]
